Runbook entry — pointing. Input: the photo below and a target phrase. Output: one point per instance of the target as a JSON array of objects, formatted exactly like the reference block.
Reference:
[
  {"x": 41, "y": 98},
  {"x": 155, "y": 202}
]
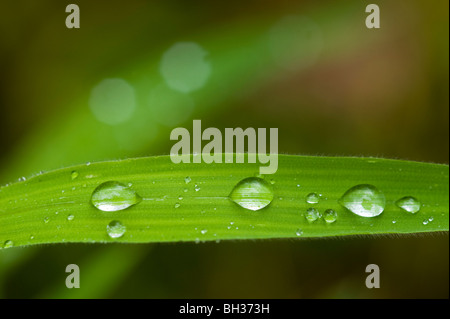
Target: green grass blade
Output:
[{"x": 191, "y": 202}]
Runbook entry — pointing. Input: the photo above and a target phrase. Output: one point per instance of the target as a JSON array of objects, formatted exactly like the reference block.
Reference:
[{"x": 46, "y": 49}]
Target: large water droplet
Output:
[
  {"x": 115, "y": 229},
  {"x": 252, "y": 193},
  {"x": 408, "y": 204},
  {"x": 364, "y": 200},
  {"x": 312, "y": 198},
  {"x": 113, "y": 196},
  {"x": 312, "y": 214}
]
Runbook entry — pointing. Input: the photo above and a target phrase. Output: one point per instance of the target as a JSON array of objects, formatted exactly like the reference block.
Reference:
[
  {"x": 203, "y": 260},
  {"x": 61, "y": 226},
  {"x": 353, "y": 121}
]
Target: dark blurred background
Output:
[{"x": 312, "y": 69}]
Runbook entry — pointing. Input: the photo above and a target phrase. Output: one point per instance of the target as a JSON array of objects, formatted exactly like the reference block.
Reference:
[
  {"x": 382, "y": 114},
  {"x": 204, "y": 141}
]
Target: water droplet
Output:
[
  {"x": 272, "y": 181},
  {"x": 425, "y": 222},
  {"x": 312, "y": 214},
  {"x": 330, "y": 216},
  {"x": 204, "y": 231},
  {"x": 115, "y": 229},
  {"x": 177, "y": 205},
  {"x": 394, "y": 222},
  {"x": 409, "y": 204},
  {"x": 185, "y": 190},
  {"x": 187, "y": 179},
  {"x": 252, "y": 193},
  {"x": 196, "y": 187},
  {"x": 430, "y": 219},
  {"x": 70, "y": 217},
  {"x": 8, "y": 244},
  {"x": 180, "y": 197},
  {"x": 22, "y": 179},
  {"x": 46, "y": 220},
  {"x": 364, "y": 200},
  {"x": 31, "y": 237},
  {"x": 113, "y": 196},
  {"x": 74, "y": 175},
  {"x": 312, "y": 198},
  {"x": 299, "y": 232}
]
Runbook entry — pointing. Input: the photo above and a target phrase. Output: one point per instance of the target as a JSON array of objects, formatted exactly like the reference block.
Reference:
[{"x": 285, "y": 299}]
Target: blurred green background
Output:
[{"x": 136, "y": 69}]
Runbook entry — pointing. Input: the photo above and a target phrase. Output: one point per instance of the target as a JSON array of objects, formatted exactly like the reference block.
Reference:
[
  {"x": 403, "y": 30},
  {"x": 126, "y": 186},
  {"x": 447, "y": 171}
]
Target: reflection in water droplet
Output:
[
  {"x": 113, "y": 196},
  {"x": 312, "y": 198},
  {"x": 299, "y": 232},
  {"x": 409, "y": 204},
  {"x": 70, "y": 217},
  {"x": 187, "y": 179},
  {"x": 74, "y": 174},
  {"x": 312, "y": 215},
  {"x": 364, "y": 200},
  {"x": 252, "y": 193},
  {"x": 115, "y": 229},
  {"x": 330, "y": 216}
]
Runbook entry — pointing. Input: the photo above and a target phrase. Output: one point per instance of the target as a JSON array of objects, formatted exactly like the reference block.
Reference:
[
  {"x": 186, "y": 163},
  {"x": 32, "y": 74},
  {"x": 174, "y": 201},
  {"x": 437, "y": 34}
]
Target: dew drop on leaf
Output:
[
  {"x": 113, "y": 196},
  {"x": 312, "y": 214},
  {"x": 364, "y": 200},
  {"x": 74, "y": 175},
  {"x": 252, "y": 193},
  {"x": 115, "y": 229},
  {"x": 330, "y": 216},
  {"x": 312, "y": 198},
  {"x": 408, "y": 204},
  {"x": 8, "y": 244}
]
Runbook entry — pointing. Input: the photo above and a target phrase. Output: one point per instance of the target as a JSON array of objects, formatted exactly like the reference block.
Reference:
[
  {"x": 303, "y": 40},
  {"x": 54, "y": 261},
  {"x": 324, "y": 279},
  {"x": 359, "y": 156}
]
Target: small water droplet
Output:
[
  {"x": 364, "y": 200},
  {"x": 299, "y": 232},
  {"x": 394, "y": 222},
  {"x": 185, "y": 190},
  {"x": 74, "y": 175},
  {"x": 272, "y": 181},
  {"x": 22, "y": 179},
  {"x": 70, "y": 217},
  {"x": 312, "y": 198},
  {"x": 46, "y": 220},
  {"x": 330, "y": 216},
  {"x": 187, "y": 179},
  {"x": 430, "y": 219},
  {"x": 177, "y": 205},
  {"x": 204, "y": 231},
  {"x": 115, "y": 229},
  {"x": 180, "y": 197},
  {"x": 425, "y": 222},
  {"x": 252, "y": 193},
  {"x": 312, "y": 215},
  {"x": 8, "y": 244},
  {"x": 196, "y": 187},
  {"x": 409, "y": 204},
  {"x": 113, "y": 196}
]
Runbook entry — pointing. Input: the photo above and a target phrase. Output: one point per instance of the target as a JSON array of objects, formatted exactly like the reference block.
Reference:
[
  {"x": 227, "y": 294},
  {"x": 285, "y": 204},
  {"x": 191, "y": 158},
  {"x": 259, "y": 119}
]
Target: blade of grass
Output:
[{"x": 190, "y": 202}]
